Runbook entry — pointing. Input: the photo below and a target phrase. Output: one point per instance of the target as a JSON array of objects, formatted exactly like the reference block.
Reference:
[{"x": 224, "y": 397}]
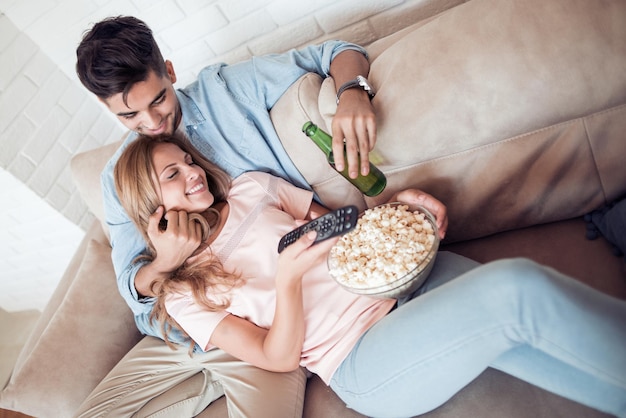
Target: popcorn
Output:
[{"x": 389, "y": 242}]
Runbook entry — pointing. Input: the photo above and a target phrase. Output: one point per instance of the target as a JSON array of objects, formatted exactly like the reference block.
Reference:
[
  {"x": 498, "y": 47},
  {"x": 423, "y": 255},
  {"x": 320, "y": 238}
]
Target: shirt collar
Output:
[{"x": 191, "y": 113}]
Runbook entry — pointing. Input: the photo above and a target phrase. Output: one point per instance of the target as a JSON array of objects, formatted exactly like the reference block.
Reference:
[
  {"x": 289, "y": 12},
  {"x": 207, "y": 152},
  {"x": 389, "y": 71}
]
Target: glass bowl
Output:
[{"x": 375, "y": 273}]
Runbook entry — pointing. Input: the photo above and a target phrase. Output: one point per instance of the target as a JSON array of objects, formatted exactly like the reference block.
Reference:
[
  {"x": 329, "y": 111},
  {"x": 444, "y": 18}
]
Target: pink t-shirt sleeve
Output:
[
  {"x": 291, "y": 199},
  {"x": 195, "y": 319}
]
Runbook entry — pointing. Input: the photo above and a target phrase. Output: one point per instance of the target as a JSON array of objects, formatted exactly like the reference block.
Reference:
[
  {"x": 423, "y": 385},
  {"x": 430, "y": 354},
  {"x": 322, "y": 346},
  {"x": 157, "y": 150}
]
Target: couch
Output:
[{"x": 512, "y": 113}]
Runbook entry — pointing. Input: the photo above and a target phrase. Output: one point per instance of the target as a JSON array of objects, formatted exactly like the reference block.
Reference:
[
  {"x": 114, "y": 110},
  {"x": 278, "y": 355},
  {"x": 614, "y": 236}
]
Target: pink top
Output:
[{"x": 262, "y": 209}]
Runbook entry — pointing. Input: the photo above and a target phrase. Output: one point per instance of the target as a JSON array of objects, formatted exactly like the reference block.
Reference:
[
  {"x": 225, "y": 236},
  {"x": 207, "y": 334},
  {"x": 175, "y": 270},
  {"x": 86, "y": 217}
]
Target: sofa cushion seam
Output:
[{"x": 594, "y": 159}]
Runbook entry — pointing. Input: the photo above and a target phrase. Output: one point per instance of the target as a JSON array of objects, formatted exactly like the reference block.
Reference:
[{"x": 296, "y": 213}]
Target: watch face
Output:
[{"x": 365, "y": 84}]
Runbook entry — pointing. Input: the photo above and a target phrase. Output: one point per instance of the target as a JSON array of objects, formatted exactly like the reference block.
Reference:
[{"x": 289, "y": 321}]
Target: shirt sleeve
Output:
[
  {"x": 274, "y": 73},
  {"x": 126, "y": 240}
]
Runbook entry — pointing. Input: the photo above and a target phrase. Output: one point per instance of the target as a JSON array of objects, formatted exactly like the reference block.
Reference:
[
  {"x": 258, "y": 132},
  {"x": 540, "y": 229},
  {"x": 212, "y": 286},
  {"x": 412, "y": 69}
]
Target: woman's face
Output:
[{"x": 183, "y": 184}]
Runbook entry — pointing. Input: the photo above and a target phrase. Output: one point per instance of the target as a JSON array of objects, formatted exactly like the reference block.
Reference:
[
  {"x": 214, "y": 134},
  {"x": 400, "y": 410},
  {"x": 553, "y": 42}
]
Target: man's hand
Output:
[
  {"x": 177, "y": 242},
  {"x": 414, "y": 197},
  {"x": 173, "y": 246},
  {"x": 354, "y": 121}
]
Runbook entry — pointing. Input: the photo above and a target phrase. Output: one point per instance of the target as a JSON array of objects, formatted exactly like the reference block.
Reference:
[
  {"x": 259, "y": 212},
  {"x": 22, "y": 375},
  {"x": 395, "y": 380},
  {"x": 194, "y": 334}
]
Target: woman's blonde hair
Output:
[{"x": 138, "y": 191}]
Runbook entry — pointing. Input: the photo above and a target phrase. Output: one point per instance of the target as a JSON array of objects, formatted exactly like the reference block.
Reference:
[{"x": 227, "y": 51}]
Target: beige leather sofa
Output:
[{"x": 511, "y": 112}]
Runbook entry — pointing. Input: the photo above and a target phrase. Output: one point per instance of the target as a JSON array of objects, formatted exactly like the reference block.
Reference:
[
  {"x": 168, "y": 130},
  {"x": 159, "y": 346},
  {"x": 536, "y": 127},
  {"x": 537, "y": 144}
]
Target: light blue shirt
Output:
[{"x": 226, "y": 116}]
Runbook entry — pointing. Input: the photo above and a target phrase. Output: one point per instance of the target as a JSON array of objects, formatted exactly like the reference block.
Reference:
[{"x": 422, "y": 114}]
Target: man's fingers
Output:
[
  {"x": 352, "y": 154},
  {"x": 154, "y": 220},
  {"x": 195, "y": 231},
  {"x": 357, "y": 140},
  {"x": 366, "y": 144},
  {"x": 176, "y": 223},
  {"x": 338, "y": 147},
  {"x": 182, "y": 222}
]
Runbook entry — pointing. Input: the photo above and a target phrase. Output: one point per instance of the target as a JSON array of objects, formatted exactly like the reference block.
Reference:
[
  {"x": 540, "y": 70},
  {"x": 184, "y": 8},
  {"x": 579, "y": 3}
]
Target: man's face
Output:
[{"x": 151, "y": 106}]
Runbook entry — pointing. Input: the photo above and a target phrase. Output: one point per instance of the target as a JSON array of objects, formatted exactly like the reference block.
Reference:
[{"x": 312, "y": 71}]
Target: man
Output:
[{"x": 225, "y": 113}]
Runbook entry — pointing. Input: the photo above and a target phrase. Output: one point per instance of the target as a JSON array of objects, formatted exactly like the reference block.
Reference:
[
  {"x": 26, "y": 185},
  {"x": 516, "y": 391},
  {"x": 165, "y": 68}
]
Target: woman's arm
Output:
[
  {"x": 278, "y": 348},
  {"x": 315, "y": 211}
]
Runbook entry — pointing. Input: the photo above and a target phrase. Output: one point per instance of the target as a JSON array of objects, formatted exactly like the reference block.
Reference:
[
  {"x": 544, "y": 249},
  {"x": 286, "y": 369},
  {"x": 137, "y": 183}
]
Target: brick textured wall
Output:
[{"x": 46, "y": 116}]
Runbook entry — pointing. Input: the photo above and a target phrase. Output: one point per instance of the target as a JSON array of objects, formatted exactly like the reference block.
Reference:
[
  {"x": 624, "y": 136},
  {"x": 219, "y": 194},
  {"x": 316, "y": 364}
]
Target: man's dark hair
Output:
[{"x": 115, "y": 54}]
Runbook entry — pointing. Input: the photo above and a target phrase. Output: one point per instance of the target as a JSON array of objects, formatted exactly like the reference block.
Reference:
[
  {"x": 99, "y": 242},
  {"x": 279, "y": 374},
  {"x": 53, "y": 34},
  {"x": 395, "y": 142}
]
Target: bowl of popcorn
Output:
[{"x": 389, "y": 254}]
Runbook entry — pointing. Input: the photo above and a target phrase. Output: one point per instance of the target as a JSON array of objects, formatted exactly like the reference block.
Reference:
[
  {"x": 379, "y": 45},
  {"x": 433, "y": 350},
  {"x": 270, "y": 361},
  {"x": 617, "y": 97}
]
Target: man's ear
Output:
[{"x": 170, "y": 71}]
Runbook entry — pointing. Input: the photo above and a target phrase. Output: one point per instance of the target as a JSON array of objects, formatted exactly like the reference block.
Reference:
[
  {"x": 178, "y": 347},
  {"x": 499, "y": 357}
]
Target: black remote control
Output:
[{"x": 336, "y": 222}]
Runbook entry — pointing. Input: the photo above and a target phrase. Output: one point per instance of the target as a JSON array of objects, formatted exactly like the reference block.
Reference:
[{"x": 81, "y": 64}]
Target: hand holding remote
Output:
[{"x": 331, "y": 224}]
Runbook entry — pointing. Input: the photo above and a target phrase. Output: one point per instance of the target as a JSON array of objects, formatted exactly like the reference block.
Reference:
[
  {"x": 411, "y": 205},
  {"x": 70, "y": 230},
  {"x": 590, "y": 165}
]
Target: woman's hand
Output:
[
  {"x": 315, "y": 211},
  {"x": 301, "y": 256},
  {"x": 414, "y": 197}
]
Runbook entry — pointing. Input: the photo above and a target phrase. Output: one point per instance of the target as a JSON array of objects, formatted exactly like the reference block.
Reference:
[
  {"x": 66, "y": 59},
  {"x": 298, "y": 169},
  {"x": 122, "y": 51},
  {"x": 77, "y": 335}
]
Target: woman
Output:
[{"x": 382, "y": 357}]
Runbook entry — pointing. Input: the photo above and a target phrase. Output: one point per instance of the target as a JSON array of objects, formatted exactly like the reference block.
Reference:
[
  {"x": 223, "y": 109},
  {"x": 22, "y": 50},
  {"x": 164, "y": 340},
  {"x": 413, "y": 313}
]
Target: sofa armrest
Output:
[
  {"x": 86, "y": 168},
  {"x": 84, "y": 331},
  {"x": 94, "y": 232}
]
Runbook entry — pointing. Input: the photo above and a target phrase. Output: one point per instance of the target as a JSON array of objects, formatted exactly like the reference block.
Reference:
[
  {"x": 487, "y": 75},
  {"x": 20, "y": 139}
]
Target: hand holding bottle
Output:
[
  {"x": 371, "y": 184},
  {"x": 354, "y": 122},
  {"x": 354, "y": 119}
]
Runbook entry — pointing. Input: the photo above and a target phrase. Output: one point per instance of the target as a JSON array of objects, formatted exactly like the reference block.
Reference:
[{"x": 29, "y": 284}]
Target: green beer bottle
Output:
[{"x": 371, "y": 185}]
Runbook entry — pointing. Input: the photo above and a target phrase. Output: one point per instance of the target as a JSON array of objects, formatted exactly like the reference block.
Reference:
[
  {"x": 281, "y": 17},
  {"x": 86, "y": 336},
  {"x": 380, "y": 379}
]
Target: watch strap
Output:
[{"x": 358, "y": 82}]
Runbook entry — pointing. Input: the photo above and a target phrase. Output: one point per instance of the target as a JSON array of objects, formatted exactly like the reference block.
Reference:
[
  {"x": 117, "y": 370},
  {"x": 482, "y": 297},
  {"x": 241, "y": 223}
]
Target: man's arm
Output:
[
  {"x": 354, "y": 120},
  {"x": 126, "y": 242},
  {"x": 273, "y": 74}
]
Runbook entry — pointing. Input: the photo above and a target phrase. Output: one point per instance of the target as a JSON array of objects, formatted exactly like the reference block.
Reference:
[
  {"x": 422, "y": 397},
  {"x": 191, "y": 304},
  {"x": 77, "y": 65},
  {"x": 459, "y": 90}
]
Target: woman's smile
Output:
[{"x": 196, "y": 189}]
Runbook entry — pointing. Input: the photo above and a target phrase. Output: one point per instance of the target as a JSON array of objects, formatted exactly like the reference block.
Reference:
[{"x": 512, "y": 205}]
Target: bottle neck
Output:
[
  {"x": 321, "y": 138},
  {"x": 370, "y": 185}
]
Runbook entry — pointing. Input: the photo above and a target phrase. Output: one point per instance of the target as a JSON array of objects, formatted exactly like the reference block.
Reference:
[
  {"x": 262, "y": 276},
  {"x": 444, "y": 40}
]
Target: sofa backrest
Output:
[
  {"x": 509, "y": 122},
  {"x": 504, "y": 116},
  {"x": 86, "y": 168}
]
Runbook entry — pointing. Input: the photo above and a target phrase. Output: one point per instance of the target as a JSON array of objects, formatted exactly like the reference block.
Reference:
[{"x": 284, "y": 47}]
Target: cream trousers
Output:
[{"x": 139, "y": 386}]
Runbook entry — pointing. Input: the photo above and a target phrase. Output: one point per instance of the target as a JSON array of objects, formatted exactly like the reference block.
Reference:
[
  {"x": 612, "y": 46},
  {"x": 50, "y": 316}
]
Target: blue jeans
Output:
[{"x": 514, "y": 315}]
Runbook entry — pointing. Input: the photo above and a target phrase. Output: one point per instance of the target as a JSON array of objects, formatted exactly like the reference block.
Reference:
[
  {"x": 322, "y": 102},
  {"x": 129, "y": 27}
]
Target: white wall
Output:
[
  {"x": 36, "y": 244},
  {"x": 45, "y": 118}
]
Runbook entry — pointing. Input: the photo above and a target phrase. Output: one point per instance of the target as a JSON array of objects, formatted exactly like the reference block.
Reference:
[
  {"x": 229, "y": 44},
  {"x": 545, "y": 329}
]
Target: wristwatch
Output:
[{"x": 360, "y": 82}]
